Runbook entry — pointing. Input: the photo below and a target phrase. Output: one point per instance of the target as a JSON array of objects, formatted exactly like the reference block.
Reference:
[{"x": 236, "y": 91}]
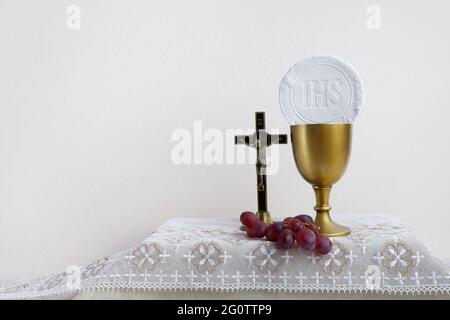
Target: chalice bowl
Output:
[{"x": 321, "y": 153}]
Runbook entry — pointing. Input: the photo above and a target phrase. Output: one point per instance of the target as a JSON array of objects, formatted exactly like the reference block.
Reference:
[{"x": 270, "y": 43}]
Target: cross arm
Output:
[
  {"x": 277, "y": 139},
  {"x": 247, "y": 140}
]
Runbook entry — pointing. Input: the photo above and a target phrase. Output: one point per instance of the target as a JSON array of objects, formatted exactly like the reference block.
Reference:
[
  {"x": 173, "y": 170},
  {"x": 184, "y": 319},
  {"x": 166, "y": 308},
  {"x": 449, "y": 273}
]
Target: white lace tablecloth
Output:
[{"x": 380, "y": 257}]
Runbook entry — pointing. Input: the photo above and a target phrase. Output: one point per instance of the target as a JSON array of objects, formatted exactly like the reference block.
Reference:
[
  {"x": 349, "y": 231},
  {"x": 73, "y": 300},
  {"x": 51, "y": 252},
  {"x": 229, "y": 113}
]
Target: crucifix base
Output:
[{"x": 264, "y": 216}]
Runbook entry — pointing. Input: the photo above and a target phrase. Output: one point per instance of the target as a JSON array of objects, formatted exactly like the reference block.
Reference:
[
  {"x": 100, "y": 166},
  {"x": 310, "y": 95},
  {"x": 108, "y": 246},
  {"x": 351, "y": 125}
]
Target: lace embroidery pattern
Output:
[
  {"x": 146, "y": 257},
  {"x": 207, "y": 257},
  {"x": 397, "y": 258},
  {"x": 266, "y": 257},
  {"x": 336, "y": 261},
  {"x": 215, "y": 255}
]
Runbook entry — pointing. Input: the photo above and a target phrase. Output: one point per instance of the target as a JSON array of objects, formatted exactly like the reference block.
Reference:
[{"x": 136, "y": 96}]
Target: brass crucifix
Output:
[{"x": 261, "y": 140}]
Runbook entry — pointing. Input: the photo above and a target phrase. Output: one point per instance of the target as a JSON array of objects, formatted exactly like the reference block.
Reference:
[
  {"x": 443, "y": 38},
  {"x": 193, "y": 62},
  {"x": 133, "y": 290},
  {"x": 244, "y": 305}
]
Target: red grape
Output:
[
  {"x": 306, "y": 239},
  {"x": 314, "y": 228},
  {"x": 323, "y": 245},
  {"x": 274, "y": 230},
  {"x": 286, "y": 220},
  {"x": 286, "y": 239},
  {"x": 251, "y": 232},
  {"x": 249, "y": 219},
  {"x": 300, "y": 229},
  {"x": 260, "y": 229},
  {"x": 304, "y": 218},
  {"x": 295, "y": 225}
]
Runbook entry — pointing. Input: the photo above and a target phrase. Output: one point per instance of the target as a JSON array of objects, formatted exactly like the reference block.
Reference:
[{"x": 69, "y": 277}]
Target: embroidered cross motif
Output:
[
  {"x": 349, "y": 277},
  {"x": 189, "y": 257},
  {"x": 417, "y": 257},
  {"x": 129, "y": 258},
  {"x": 115, "y": 276},
  {"x": 130, "y": 275},
  {"x": 222, "y": 276},
  {"x": 378, "y": 258},
  {"x": 300, "y": 278},
  {"x": 313, "y": 258},
  {"x": 333, "y": 278},
  {"x": 317, "y": 277},
  {"x": 285, "y": 277},
  {"x": 269, "y": 277},
  {"x": 175, "y": 276},
  {"x": 191, "y": 276},
  {"x": 253, "y": 276},
  {"x": 225, "y": 256},
  {"x": 399, "y": 278},
  {"x": 161, "y": 275},
  {"x": 250, "y": 258},
  {"x": 287, "y": 257},
  {"x": 237, "y": 276},
  {"x": 350, "y": 256},
  {"x": 367, "y": 278},
  {"x": 164, "y": 255},
  {"x": 364, "y": 245},
  {"x": 206, "y": 276},
  {"x": 434, "y": 277},
  {"x": 416, "y": 278}
]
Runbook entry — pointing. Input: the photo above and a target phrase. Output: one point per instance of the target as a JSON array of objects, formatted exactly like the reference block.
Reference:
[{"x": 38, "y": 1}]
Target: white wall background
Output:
[{"x": 86, "y": 117}]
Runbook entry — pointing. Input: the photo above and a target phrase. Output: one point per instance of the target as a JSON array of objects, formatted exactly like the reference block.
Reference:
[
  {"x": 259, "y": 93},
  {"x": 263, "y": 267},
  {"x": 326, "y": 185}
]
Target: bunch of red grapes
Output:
[{"x": 300, "y": 229}]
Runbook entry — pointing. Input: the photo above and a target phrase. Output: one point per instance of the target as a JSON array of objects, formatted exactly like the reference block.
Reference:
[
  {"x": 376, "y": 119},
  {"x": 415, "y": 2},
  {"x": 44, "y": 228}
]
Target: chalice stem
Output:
[
  {"x": 322, "y": 205},
  {"x": 322, "y": 198},
  {"x": 323, "y": 220}
]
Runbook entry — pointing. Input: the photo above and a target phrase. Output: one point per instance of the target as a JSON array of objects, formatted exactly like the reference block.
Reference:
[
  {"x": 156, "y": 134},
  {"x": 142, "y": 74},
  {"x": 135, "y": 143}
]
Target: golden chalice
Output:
[{"x": 321, "y": 153}]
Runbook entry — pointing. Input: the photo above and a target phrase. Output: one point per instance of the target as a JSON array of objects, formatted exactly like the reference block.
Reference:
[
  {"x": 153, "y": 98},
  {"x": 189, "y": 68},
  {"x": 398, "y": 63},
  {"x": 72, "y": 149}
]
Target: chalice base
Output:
[{"x": 330, "y": 228}]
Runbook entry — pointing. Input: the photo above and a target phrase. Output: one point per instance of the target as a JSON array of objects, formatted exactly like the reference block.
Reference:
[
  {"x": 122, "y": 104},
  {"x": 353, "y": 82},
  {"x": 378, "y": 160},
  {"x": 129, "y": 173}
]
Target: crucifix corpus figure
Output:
[{"x": 260, "y": 140}]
